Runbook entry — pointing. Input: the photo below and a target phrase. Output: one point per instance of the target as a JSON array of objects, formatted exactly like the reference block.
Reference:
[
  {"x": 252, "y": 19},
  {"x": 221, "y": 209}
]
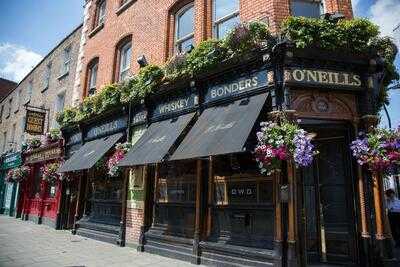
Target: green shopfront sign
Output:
[{"x": 11, "y": 161}]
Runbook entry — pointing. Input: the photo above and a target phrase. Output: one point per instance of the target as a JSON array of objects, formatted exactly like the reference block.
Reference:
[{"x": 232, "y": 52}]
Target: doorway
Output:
[{"x": 327, "y": 199}]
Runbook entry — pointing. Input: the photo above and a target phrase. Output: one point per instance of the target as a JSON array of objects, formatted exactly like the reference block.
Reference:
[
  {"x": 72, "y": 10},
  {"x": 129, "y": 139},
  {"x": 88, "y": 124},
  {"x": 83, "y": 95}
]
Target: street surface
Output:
[{"x": 27, "y": 244}]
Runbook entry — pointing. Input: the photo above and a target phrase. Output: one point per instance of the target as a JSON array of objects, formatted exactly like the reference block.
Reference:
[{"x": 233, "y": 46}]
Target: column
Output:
[{"x": 196, "y": 239}]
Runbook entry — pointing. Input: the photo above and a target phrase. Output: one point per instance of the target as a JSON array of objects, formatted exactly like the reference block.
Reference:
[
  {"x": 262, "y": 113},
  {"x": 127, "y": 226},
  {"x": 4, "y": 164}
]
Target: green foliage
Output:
[
  {"x": 176, "y": 67},
  {"x": 246, "y": 37},
  {"x": 148, "y": 79},
  {"x": 206, "y": 56},
  {"x": 108, "y": 97}
]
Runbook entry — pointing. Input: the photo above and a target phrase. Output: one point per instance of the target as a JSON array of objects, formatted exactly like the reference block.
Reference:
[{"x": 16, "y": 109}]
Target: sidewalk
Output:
[{"x": 28, "y": 244}]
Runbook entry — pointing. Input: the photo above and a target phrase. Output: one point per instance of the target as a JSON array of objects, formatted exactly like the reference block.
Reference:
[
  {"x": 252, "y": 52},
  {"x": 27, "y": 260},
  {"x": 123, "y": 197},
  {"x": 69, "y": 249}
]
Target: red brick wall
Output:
[
  {"x": 134, "y": 220},
  {"x": 150, "y": 23}
]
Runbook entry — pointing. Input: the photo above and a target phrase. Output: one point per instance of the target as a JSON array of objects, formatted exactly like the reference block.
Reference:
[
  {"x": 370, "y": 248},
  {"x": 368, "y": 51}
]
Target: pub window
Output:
[
  {"x": 92, "y": 76},
  {"x": 100, "y": 13},
  {"x": 184, "y": 28},
  {"x": 307, "y": 8},
  {"x": 225, "y": 16},
  {"x": 124, "y": 60}
]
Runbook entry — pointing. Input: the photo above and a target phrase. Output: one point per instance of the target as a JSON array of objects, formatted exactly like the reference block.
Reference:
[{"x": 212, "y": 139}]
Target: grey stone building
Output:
[{"x": 49, "y": 86}]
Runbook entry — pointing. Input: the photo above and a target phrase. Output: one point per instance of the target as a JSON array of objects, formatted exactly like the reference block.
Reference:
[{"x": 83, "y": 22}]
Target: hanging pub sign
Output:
[
  {"x": 324, "y": 78},
  {"x": 44, "y": 155},
  {"x": 176, "y": 105},
  {"x": 34, "y": 124},
  {"x": 107, "y": 128},
  {"x": 11, "y": 161},
  {"x": 250, "y": 82}
]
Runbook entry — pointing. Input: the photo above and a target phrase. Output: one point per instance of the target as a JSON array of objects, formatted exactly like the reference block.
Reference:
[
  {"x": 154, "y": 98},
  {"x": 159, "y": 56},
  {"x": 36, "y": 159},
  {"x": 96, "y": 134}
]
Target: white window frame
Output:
[
  {"x": 178, "y": 42},
  {"x": 67, "y": 59},
  {"x": 48, "y": 75},
  {"x": 321, "y": 2},
  {"x": 123, "y": 72},
  {"x": 101, "y": 12},
  {"x": 216, "y": 22}
]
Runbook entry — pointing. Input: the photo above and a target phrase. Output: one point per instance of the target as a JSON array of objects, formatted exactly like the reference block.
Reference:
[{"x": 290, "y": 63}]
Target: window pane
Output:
[
  {"x": 225, "y": 7},
  {"x": 304, "y": 8},
  {"x": 125, "y": 61},
  {"x": 101, "y": 12},
  {"x": 184, "y": 46},
  {"x": 93, "y": 77},
  {"x": 185, "y": 23},
  {"x": 224, "y": 27}
]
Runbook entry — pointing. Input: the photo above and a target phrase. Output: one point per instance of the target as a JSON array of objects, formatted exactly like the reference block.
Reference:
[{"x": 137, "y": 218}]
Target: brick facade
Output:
[
  {"x": 150, "y": 26},
  {"x": 44, "y": 94}
]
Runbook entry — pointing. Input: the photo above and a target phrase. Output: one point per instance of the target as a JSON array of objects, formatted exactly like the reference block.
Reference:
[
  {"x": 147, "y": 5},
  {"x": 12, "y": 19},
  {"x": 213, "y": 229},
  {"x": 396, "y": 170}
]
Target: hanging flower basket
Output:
[
  {"x": 278, "y": 142},
  {"x": 50, "y": 173},
  {"x": 17, "y": 174},
  {"x": 34, "y": 143},
  {"x": 120, "y": 151},
  {"x": 378, "y": 150}
]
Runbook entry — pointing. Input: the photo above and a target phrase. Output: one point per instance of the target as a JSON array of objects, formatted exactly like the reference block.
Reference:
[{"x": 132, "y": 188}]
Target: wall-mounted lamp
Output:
[{"x": 142, "y": 61}]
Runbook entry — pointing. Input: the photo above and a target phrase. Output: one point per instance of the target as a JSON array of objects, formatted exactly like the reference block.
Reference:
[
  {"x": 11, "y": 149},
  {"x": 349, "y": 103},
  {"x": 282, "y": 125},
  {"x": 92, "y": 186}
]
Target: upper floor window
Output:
[
  {"x": 100, "y": 12},
  {"x": 307, "y": 8},
  {"x": 67, "y": 60},
  {"x": 125, "y": 54},
  {"x": 4, "y": 141},
  {"x": 10, "y": 103},
  {"x": 225, "y": 16},
  {"x": 184, "y": 28},
  {"x": 59, "y": 106},
  {"x": 18, "y": 101},
  {"x": 29, "y": 92},
  {"x": 1, "y": 113},
  {"x": 92, "y": 76},
  {"x": 47, "y": 75}
]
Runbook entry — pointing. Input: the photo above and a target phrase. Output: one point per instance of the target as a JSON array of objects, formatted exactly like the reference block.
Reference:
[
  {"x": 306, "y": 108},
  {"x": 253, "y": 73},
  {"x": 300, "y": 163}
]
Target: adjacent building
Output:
[{"x": 43, "y": 92}]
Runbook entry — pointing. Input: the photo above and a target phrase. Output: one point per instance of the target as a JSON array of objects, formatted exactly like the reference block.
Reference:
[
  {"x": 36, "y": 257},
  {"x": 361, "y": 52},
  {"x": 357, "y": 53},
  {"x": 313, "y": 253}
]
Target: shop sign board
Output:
[
  {"x": 34, "y": 123},
  {"x": 250, "y": 82},
  {"x": 44, "y": 155},
  {"x": 74, "y": 138},
  {"x": 107, "y": 128},
  {"x": 176, "y": 105},
  {"x": 324, "y": 78},
  {"x": 12, "y": 161},
  {"x": 139, "y": 116}
]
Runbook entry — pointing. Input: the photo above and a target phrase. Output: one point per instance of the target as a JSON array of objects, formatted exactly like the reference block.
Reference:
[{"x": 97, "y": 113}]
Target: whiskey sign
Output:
[
  {"x": 326, "y": 78},
  {"x": 35, "y": 122},
  {"x": 176, "y": 104}
]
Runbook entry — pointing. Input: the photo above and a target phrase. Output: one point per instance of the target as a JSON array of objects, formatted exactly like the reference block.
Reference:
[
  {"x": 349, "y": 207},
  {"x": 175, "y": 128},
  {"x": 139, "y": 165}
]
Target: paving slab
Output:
[{"x": 24, "y": 243}]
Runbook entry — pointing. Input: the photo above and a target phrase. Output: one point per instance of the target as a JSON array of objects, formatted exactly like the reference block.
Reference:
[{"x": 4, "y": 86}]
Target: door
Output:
[{"x": 328, "y": 206}]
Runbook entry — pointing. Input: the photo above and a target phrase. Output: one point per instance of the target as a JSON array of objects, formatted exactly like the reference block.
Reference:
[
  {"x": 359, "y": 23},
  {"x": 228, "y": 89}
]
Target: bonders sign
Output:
[{"x": 35, "y": 122}]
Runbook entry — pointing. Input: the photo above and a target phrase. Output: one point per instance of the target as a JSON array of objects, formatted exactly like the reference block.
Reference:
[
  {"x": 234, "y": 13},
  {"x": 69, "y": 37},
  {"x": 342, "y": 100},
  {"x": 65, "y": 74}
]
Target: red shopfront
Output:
[{"x": 41, "y": 199}]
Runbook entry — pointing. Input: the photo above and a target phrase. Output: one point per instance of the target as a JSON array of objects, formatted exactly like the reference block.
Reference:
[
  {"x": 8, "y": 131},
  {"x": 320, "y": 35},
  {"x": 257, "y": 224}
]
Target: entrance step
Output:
[{"x": 97, "y": 231}]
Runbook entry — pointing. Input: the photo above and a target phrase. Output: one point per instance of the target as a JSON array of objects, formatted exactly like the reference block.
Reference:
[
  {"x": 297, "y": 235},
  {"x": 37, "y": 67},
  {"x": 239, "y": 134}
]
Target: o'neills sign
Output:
[
  {"x": 48, "y": 154},
  {"x": 322, "y": 78},
  {"x": 249, "y": 82},
  {"x": 35, "y": 122},
  {"x": 106, "y": 128}
]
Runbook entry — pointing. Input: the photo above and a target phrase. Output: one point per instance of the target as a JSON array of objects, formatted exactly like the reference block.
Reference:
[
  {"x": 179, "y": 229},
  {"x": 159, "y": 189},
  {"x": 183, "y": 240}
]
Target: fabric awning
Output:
[
  {"x": 90, "y": 153},
  {"x": 222, "y": 129},
  {"x": 156, "y": 142}
]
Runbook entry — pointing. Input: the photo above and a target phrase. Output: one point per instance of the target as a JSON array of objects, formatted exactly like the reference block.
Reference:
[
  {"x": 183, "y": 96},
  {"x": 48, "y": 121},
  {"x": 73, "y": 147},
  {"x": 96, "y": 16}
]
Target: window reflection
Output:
[
  {"x": 184, "y": 36},
  {"x": 226, "y": 16},
  {"x": 307, "y": 8}
]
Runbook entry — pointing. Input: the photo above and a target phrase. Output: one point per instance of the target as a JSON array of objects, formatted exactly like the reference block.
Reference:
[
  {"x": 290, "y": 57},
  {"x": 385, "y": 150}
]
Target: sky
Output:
[{"x": 29, "y": 29}]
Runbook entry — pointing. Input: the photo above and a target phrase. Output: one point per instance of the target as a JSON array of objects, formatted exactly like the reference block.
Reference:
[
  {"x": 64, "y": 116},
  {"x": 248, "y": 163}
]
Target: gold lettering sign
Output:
[
  {"x": 35, "y": 122},
  {"x": 44, "y": 155},
  {"x": 322, "y": 78}
]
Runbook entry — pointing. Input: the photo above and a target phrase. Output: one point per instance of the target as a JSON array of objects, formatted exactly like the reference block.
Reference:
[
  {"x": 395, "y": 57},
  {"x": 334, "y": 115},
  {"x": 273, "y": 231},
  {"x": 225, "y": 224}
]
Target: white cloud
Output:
[
  {"x": 386, "y": 13},
  {"x": 16, "y": 61}
]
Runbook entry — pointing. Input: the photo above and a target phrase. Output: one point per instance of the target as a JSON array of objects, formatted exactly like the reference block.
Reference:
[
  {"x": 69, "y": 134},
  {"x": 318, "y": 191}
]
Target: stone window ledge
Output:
[
  {"x": 124, "y": 7},
  {"x": 96, "y": 30}
]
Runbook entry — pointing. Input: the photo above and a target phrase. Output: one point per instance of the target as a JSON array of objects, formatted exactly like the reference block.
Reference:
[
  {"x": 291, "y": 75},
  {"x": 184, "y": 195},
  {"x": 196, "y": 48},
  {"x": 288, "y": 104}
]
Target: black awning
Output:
[
  {"x": 90, "y": 153},
  {"x": 156, "y": 142},
  {"x": 221, "y": 129}
]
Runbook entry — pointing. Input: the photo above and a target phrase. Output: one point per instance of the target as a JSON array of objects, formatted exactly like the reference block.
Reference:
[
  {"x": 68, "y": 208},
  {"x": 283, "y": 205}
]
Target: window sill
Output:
[
  {"x": 63, "y": 75},
  {"x": 96, "y": 30},
  {"x": 124, "y": 7}
]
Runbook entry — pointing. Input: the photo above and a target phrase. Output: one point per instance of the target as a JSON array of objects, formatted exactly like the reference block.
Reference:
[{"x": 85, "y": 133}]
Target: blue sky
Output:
[{"x": 29, "y": 29}]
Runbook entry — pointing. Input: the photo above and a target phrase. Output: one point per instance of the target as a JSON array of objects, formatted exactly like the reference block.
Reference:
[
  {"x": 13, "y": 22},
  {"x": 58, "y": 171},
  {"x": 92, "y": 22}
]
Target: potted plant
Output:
[
  {"x": 50, "y": 173},
  {"x": 34, "y": 143},
  {"x": 20, "y": 173}
]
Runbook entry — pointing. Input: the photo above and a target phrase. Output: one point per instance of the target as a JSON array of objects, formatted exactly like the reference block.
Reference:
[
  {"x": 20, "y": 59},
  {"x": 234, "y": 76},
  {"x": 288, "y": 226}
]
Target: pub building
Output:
[
  {"x": 99, "y": 204},
  {"x": 205, "y": 199},
  {"x": 40, "y": 199},
  {"x": 9, "y": 191}
]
